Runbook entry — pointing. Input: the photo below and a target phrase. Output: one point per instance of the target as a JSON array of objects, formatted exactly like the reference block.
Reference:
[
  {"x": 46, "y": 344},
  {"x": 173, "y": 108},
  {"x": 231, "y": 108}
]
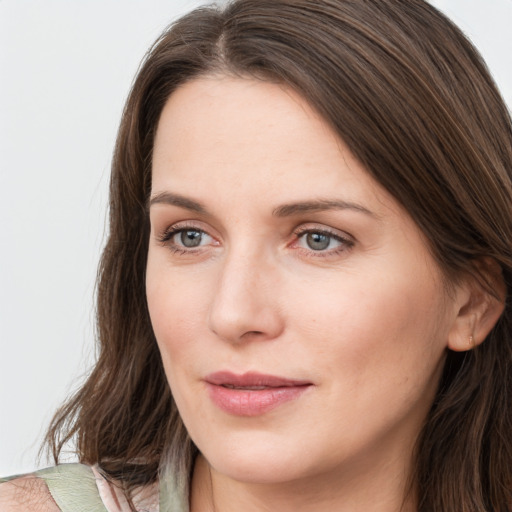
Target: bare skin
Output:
[{"x": 27, "y": 493}]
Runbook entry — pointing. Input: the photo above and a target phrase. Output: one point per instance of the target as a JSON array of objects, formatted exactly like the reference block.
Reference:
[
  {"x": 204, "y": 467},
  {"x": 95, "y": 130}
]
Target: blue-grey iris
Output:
[
  {"x": 191, "y": 238},
  {"x": 318, "y": 241}
]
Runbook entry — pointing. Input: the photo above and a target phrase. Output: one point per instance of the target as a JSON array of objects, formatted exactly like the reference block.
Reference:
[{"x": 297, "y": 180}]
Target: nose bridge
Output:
[{"x": 244, "y": 302}]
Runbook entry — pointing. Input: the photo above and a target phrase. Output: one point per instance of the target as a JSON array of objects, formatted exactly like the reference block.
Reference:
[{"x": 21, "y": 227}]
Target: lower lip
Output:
[{"x": 241, "y": 402}]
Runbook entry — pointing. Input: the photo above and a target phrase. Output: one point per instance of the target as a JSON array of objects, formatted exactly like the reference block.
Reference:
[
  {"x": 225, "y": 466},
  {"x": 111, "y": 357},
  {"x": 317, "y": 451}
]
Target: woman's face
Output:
[{"x": 301, "y": 319}]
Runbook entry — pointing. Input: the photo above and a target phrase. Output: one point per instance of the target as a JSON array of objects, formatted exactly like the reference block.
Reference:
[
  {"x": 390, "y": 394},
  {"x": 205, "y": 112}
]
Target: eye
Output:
[
  {"x": 322, "y": 241},
  {"x": 317, "y": 241},
  {"x": 182, "y": 239},
  {"x": 190, "y": 238}
]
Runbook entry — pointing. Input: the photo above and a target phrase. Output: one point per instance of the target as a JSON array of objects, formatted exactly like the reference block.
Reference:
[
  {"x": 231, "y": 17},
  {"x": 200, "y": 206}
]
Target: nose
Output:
[{"x": 245, "y": 304}]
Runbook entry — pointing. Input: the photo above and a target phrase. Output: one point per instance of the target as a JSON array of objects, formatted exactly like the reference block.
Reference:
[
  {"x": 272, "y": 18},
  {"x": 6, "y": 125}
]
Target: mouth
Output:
[
  {"x": 252, "y": 394},
  {"x": 248, "y": 388},
  {"x": 252, "y": 380}
]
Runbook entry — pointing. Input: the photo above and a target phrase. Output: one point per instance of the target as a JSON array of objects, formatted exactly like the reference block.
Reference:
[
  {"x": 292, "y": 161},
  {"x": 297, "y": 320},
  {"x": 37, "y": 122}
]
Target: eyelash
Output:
[
  {"x": 166, "y": 237},
  {"x": 346, "y": 243}
]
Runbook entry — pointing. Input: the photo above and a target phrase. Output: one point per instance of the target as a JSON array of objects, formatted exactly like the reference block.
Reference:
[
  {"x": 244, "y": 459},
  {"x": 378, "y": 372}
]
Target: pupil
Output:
[
  {"x": 318, "y": 241},
  {"x": 191, "y": 238}
]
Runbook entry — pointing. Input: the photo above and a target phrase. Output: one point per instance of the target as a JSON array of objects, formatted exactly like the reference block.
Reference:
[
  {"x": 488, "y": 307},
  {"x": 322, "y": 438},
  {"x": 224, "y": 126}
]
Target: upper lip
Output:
[{"x": 251, "y": 379}]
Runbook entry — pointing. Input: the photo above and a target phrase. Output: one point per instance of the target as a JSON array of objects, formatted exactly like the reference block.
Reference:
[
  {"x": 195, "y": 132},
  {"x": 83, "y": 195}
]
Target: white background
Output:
[{"x": 65, "y": 70}]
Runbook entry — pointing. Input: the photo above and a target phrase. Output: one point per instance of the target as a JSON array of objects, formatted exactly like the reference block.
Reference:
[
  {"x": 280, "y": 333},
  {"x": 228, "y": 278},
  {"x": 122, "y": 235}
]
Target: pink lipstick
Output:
[{"x": 252, "y": 394}]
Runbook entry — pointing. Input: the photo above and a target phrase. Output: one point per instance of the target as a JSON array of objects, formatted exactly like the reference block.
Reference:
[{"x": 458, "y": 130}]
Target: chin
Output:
[
  {"x": 257, "y": 459},
  {"x": 263, "y": 471}
]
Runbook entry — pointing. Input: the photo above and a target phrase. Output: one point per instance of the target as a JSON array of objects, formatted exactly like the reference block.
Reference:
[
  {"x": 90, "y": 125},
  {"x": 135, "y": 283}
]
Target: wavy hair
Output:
[{"x": 414, "y": 102}]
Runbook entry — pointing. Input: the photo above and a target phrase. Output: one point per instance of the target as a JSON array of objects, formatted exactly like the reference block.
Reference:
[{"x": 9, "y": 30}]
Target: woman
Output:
[{"x": 302, "y": 304}]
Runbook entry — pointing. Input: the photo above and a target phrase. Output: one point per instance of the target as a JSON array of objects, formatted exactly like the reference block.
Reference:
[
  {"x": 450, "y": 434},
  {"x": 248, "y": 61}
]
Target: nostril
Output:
[{"x": 253, "y": 333}]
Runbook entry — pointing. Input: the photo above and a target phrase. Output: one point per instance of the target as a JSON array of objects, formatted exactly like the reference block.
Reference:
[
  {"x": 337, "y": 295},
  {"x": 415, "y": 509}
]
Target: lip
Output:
[{"x": 252, "y": 393}]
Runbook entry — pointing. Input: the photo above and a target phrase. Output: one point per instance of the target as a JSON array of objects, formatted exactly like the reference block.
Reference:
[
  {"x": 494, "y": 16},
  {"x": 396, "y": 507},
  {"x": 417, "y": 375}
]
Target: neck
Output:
[{"x": 380, "y": 488}]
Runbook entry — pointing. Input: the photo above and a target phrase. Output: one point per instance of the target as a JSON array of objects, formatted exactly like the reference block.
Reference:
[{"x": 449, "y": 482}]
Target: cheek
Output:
[
  {"x": 173, "y": 308},
  {"x": 378, "y": 351},
  {"x": 373, "y": 327},
  {"x": 174, "y": 330}
]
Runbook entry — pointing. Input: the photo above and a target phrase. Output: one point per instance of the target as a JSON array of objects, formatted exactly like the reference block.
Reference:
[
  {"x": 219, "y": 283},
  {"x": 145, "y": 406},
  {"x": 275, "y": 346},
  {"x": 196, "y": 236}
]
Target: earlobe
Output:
[{"x": 482, "y": 301}]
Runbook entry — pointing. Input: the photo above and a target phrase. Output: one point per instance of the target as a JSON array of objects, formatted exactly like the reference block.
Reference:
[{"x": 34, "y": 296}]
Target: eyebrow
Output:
[
  {"x": 285, "y": 210},
  {"x": 178, "y": 200},
  {"x": 320, "y": 205}
]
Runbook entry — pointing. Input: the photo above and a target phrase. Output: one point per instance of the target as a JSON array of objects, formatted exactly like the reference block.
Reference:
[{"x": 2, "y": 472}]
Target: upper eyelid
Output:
[
  {"x": 186, "y": 224},
  {"x": 174, "y": 229},
  {"x": 326, "y": 231},
  {"x": 336, "y": 233}
]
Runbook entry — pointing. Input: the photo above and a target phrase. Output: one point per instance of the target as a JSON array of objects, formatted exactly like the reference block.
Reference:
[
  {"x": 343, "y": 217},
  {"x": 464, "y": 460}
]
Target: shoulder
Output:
[
  {"x": 61, "y": 488},
  {"x": 72, "y": 488},
  {"x": 28, "y": 493}
]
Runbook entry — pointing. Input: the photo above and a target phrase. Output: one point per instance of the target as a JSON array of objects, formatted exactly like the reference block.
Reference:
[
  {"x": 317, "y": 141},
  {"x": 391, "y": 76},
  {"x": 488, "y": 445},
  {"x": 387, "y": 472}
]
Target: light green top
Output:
[{"x": 78, "y": 488}]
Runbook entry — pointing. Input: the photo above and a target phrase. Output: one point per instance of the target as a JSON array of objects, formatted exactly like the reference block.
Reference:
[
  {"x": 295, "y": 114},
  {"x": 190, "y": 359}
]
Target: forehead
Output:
[
  {"x": 243, "y": 140},
  {"x": 254, "y": 116}
]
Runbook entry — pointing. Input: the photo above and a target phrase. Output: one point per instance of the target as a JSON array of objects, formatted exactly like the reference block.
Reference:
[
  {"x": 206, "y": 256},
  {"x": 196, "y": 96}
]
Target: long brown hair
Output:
[{"x": 414, "y": 102}]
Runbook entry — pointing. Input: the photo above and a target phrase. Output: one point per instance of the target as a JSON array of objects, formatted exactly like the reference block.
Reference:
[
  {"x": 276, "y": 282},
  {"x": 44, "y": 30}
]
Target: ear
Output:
[{"x": 481, "y": 301}]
